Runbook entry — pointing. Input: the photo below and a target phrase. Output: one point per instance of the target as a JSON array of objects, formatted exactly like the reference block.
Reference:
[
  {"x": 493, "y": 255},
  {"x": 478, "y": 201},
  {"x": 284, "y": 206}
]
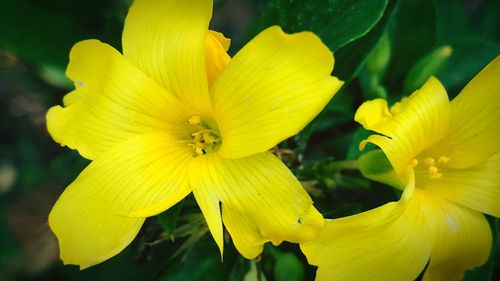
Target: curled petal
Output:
[
  {"x": 390, "y": 242},
  {"x": 417, "y": 123}
]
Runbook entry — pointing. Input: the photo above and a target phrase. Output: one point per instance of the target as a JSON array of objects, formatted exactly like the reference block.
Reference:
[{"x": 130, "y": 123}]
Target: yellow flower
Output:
[
  {"x": 175, "y": 114},
  {"x": 445, "y": 155}
]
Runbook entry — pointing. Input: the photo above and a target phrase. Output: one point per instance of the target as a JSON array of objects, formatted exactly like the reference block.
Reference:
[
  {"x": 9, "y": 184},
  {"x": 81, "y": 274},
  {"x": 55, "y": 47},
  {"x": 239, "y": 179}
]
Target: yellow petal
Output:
[
  {"x": 477, "y": 187},
  {"x": 270, "y": 90},
  {"x": 417, "y": 123},
  {"x": 461, "y": 238},
  {"x": 166, "y": 40},
  {"x": 91, "y": 220},
  {"x": 261, "y": 201},
  {"x": 217, "y": 59},
  {"x": 371, "y": 113},
  {"x": 475, "y": 123},
  {"x": 387, "y": 243},
  {"x": 112, "y": 103},
  {"x": 209, "y": 203}
]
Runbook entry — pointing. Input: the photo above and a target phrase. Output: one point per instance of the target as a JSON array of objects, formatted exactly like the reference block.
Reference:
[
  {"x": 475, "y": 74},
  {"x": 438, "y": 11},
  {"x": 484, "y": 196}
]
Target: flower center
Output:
[
  {"x": 204, "y": 139},
  {"x": 431, "y": 165}
]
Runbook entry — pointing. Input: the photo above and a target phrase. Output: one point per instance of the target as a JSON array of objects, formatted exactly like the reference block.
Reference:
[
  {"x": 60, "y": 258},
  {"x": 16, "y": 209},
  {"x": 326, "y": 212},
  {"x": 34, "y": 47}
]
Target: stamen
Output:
[
  {"x": 433, "y": 169},
  {"x": 205, "y": 139},
  {"x": 194, "y": 120},
  {"x": 443, "y": 160},
  {"x": 414, "y": 162},
  {"x": 434, "y": 172},
  {"x": 429, "y": 161},
  {"x": 199, "y": 150},
  {"x": 436, "y": 176}
]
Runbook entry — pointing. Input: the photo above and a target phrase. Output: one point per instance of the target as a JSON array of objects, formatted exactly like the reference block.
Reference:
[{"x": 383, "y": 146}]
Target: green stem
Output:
[{"x": 343, "y": 165}]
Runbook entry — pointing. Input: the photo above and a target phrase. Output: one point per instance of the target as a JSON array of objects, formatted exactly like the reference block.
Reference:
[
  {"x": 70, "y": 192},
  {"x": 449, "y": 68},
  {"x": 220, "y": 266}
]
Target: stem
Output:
[
  {"x": 259, "y": 270},
  {"x": 343, "y": 165}
]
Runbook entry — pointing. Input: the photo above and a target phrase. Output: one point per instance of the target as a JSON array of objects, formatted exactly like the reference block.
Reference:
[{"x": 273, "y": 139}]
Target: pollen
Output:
[
  {"x": 431, "y": 166},
  {"x": 194, "y": 120},
  {"x": 429, "y": 161},
  {"x": 443, "y": 160},
  {"x": 434, "y": 173}
]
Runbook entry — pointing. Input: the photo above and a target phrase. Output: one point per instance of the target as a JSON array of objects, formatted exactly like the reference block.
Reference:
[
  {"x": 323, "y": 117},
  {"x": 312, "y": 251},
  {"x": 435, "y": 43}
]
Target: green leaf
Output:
[
  {"x": 288, "y": 268},
  {"x": 336, "y": 22},
  {"x": 353, "y": 151},
  {"x": 426, "y": 67},
  {"x": 468, "y": 58},
  {"x": 412, "y": 35},
  {"x": 43, "y": 32},
  {"x": 350, "y": 58},
  {"x": 451, "y": 20},
  {"x": 379, "y": 58}
]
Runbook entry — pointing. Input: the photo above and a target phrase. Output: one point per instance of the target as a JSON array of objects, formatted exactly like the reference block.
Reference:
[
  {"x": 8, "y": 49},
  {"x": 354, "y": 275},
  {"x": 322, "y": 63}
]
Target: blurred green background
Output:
[{"x": 383, "y": 48}]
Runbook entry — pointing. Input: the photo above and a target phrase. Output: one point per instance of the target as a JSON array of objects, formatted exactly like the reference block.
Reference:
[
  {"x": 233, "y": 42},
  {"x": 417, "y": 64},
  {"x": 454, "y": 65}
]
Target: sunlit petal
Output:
[
  {"x": 390, "y": 242},
  {"x": 461, "y": 238},
  {"x": 417, "y": 122},
  {"x": 475, "y": 124},
  {"x": 270, "y": 90},
  {"x": 261, "y": 201},
  {"x": 113, "y": 102},
  {"x": 91, "y": 218},
  {"x": 166, "y": 40}
]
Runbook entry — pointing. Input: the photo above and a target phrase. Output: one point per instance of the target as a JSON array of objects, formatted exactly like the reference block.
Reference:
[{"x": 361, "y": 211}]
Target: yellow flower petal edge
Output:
[
  {"x": 90, "y": 218},
  {"x": 475, "y": 120},
  {"x": 387, "y": 243},
  {"x": 246, "y": 192},
  {"x": 373, "y": 112},
  {"x": 416, "y": 123},
  {"x": 147, "y": 121},
  {"x": 166, "y": 40},
  {"x": 108, "y": 105},
  {"x": 271, "y": 89},
  {"x": 461, "y": 238},
  {"x": 216, "y": 56}
]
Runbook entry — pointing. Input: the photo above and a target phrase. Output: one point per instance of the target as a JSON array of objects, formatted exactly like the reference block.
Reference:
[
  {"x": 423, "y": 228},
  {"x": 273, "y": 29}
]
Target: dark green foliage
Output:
[{"x": 381, "y": 47}]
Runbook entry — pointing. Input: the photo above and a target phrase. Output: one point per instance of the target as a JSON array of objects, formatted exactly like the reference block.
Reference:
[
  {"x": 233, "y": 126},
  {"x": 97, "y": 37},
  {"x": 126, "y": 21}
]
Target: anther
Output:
[
  {"x": 414, "y": 162},
  {"x": 433, "y": 169},
  {"x": 436, "y": 176},
  {"x": 434, "y": 172},
  {"x": 443, "y": 160},
  {"x": 194, "y": 120},
  {"x": 199, "y": 150},
  {"x": 429, "y": 161}
]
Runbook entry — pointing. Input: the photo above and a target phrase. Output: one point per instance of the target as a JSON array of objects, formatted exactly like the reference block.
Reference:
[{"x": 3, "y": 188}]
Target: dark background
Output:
[{"x": 382, "y": 49}]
